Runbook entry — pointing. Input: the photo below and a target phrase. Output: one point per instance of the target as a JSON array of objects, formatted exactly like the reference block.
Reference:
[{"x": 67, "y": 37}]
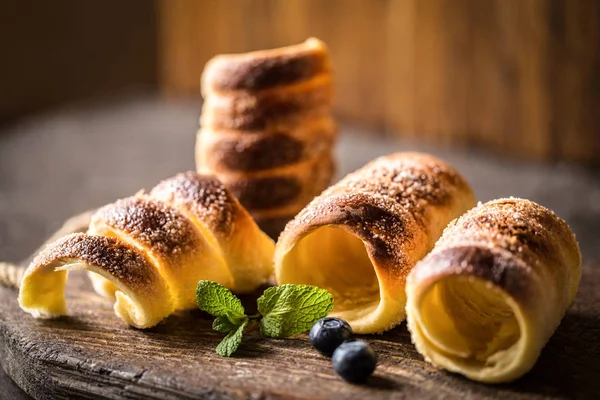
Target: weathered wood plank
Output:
[
  {"x": 115, "y": 150},
  {"x": 92, "y": 354}
]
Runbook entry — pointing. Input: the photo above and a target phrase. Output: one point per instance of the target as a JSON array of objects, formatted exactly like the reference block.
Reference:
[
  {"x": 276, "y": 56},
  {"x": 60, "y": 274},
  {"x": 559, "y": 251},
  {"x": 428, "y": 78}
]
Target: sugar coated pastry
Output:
[
  {"x": 149, "y": 251},
  {"x": 266, "y": 128},
  {"x": 486, "y": 300},
  {"x": 361, "y": 237}
]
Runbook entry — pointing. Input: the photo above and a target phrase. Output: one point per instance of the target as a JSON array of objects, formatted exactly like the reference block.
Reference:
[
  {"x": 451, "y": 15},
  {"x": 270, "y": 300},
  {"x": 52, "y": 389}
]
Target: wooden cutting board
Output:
[
  {"x": 56, "y": 164},
  {"x": 93, "y": 354}
]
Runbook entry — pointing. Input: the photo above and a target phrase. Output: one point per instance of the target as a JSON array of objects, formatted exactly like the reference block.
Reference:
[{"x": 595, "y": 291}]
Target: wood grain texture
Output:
[
  {"x": 91, "y": 354},
  {"x": 518, "y": 77},
  {"x": 127, "y": 144}
]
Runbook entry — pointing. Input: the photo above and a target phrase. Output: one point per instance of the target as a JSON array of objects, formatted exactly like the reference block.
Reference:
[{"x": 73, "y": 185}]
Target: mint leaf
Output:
[
  {"x": 290, "y": 309},
  {"x": 228, "y": 322},
  {"x": 223, "y": 325},
  {"x": 232, "y": 341},
  {"x": 217, "y": 300},
  {"x": 283, "y": 311}
]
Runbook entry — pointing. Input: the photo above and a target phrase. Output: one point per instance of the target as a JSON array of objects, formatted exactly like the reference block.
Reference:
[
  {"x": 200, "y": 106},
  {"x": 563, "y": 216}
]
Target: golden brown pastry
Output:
[
  {"x": 361, "y": 237},
  {"x": 149, "y": 251},
  {"x": 486, "y": 300},
  {"x": 267, "y": 130},
  {"x": 142, "y": 298}
]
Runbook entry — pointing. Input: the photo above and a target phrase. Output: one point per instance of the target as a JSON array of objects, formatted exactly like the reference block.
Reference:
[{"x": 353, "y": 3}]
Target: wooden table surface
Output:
[{"x": 55, "y": 165}]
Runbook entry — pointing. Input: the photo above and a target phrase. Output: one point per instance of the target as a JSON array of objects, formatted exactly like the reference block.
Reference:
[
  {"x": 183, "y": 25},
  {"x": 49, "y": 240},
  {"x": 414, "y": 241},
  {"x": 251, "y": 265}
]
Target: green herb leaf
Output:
[
  {"x": 228, "y": 322},
  {"x": 290, "y": 309},
  {"x": 223, "y": 325},
  {"x": 232, "y": 341},
  {"x": 218, "y": 301}
]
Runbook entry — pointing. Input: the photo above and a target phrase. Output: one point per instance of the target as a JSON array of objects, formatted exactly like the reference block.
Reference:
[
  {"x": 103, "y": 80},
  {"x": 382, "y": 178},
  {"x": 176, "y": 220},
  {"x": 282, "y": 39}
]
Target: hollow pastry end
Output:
[
  {"x": 350, "y": 245},
  {"x": 474, "y": 311},
  {"x": 344, "y": 267},
  {"x": 142, "y": 298},
  {"x": 361, "y": 237}
]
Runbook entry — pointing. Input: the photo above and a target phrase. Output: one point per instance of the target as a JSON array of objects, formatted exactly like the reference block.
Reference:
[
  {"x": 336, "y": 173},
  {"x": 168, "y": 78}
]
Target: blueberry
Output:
[
  {"x": 328, "y": 333},
  {"x": 354, "y": 361}
]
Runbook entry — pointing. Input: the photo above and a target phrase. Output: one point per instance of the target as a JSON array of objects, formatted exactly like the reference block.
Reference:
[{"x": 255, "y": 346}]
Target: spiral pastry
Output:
[
  {"x": 149, "y": 251},
  {"x": 267, "y": 130},
  {"x": 486, "y": 300},
  {"x": 360, "y": 238}
]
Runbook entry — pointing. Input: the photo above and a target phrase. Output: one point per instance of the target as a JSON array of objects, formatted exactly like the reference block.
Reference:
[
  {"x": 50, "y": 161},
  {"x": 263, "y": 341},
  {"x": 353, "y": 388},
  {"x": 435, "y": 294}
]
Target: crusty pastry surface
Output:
[
  {"x": 143, "y": 296},
  {"x": 265, "y": 69},
  {"x": 229, "y": 151},
  {"x": 361, "y": 237},
  {"x": 246, "y": 250},
  {"x": 282, "y": 187},
  {"x": 267, "y": 130},
  {"x": 486, "y": 300},
  {"x": 188, "y": 228},
  {"x": 280, "y": 108}
]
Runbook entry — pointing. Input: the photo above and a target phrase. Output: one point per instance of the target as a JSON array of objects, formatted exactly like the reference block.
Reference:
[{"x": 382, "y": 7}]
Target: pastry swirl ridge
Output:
[
  {"x": 149, "y": 251},
  {"x": 267, "y": 130},
  {"x": 360, "y": 238},
  {"x": 486, "y": 300}
]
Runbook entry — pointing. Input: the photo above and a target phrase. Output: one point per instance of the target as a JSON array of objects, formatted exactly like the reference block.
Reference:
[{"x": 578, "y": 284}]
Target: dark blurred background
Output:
[
  {"x": 56, "y": 52},
  {"x": 518, "y": 77}
]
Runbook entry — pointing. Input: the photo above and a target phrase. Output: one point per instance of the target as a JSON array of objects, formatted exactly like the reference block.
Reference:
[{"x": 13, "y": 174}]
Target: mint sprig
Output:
[
  {"x": 291, "y": 309},
  {"x": 282, "y": 311},
  {"x": 227, "y": 323},
  {"x": 232, "y": 341},
  {"x": 217, "y": 300}
]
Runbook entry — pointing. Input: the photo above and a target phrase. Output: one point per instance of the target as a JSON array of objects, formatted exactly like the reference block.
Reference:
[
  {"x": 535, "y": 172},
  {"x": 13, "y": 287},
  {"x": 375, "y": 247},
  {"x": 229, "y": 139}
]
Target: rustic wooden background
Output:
[{"x": 521, "y": 77}]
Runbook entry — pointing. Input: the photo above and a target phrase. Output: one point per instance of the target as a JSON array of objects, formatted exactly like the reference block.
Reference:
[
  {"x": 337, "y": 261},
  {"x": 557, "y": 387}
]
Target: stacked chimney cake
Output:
[{"x": 266, "y": 128}]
